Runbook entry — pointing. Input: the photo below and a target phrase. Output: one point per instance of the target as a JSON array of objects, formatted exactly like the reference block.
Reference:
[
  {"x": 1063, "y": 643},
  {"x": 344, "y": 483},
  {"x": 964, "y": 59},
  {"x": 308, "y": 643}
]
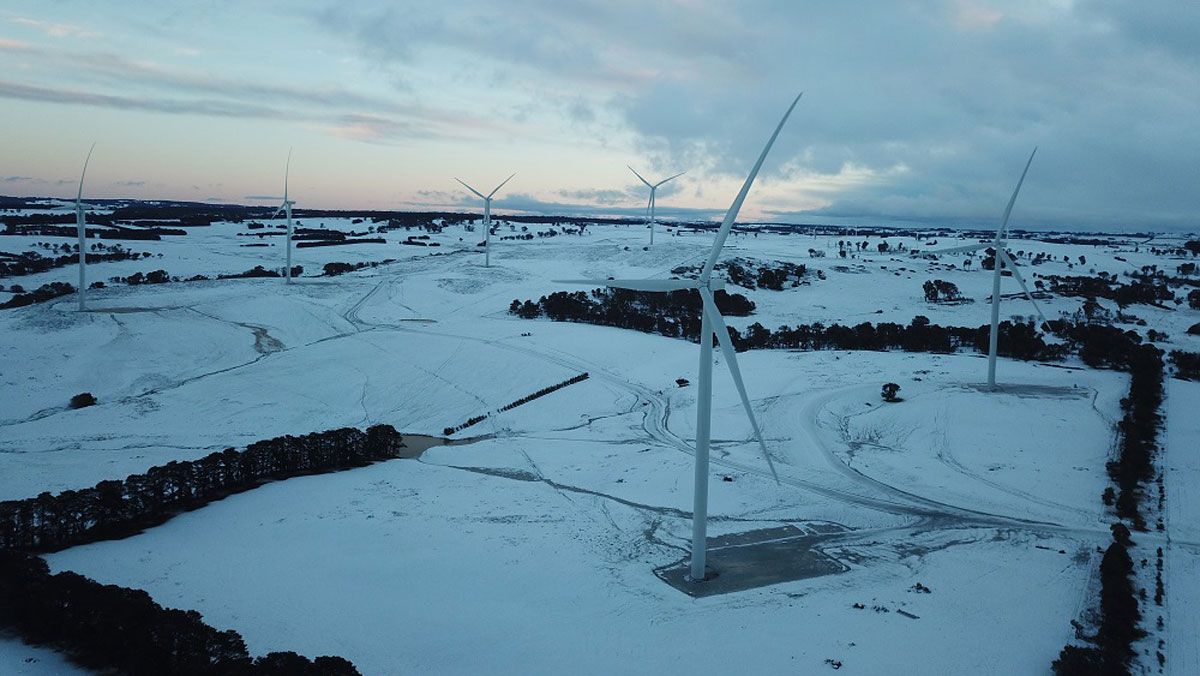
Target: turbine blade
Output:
[
  {"x": 1020, "y": 280},
  {"x": 672, "y": 178},
  {"x": 958, "y": 249},
  {"x": 718, "y": 323},
  {"x": 636, "y": 284},
  {"x": 287, "y": 169},
  {"x": 79, "y": 196},
  {"x": 477, "y": 193},
  {"x": 501, "y": 185},
  {"x": 640, "y": 177},
  {"x": 731, "y": 215},
  {"x": 1012, "y": 200}
]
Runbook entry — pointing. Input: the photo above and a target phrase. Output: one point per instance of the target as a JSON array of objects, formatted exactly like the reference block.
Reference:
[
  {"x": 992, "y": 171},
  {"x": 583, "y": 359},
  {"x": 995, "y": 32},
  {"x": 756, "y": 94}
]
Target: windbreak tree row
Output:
[
  {"x": 117, "y": 629},
  {"x": 523, "y": 400},
  {"x": 1111, "y": 649},
  {"x": 116, "y": 509},
  {"x": 677, "y": 315}
]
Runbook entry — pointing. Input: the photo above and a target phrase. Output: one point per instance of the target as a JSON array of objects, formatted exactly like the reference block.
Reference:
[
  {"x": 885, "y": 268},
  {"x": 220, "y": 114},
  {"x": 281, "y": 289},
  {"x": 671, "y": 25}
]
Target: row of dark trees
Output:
[
  {"x": 675, "y": 313},
  {"x": 339, "y": 242},
  {"x": 511, "y": 405},
  {"x": 41, "y": 294},
  {"x": 46, "y": 292},
  {"x": 339, "y": 268},
  {"x": 116, "y": 232},
  {"x": 114, "y": 629},
  {"x": 679, "y": 317},
  {"x": 1138, "y": 429},
  {"x": 31, "y": 262},
  {"x": 1111, "y": 649},
  {"x": 116, "y": 509},
  {"x": 259, "y": 271}
]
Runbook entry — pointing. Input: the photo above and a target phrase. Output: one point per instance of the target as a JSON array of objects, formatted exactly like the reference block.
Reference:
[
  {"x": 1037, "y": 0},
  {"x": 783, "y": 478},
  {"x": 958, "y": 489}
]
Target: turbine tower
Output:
[
  {"x": 81, "y": 230},
  {"x": 1005, "y": 260},
  {"x": 653, "y": 189},
  {"x": 711, "y": 322},
  {"x": 487, "y": 217},
  {"x": 286, "y": 208}
]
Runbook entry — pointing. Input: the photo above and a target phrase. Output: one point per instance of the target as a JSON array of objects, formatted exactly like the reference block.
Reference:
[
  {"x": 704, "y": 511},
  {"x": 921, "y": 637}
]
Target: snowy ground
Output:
[{"x": 532, "y": 550}]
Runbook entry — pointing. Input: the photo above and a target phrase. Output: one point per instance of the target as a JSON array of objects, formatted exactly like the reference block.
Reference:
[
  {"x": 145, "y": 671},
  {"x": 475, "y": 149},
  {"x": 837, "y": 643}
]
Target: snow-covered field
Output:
[{"x": 533, "y": 549}]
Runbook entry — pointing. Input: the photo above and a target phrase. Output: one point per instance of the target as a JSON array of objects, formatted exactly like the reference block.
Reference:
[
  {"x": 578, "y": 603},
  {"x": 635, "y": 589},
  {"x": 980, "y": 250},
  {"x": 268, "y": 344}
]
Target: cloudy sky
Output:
[{"x": 913, "y": 111}]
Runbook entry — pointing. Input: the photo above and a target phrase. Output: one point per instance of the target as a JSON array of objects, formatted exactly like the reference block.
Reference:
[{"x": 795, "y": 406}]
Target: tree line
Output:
[
  {"x": 677, "y": 315},
  {"x": 31, "y": 262},
  {"x": 116, "y": 629},
  {"x": 523, "y": 400},
  {"x": 1138, "y": 431},
  {"x": 1111, "y": 650},
  {"x": 116, "y": 509},
  {"x": 41, "y": 294},
  {"x": 52, "y": 290}
]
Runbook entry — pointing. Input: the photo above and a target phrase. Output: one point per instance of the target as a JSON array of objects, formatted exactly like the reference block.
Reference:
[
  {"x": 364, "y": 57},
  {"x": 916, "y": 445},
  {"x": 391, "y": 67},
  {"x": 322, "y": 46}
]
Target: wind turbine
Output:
[
  {"x": 81, "y": 231},
  {"x": 711, "y": 322},
  {"x": 286, "y": 208},
  {"x": 1002, "y": 259},
  {"x": 487, "y": 217},
  {"x": 653, "y": 189}
]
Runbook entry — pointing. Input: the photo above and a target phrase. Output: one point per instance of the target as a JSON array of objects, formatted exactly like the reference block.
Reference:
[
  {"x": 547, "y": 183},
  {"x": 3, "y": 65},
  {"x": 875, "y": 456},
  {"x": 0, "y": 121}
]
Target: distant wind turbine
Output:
[
  {"x": 286, "y": 208},
  {"x": 487, "y": 217},
  {"x": 1002, "y": 260},
  {"x": 653, "y": 189},
  {"x": 81, "y": 230},
  {"x": 711, "y": 323}
]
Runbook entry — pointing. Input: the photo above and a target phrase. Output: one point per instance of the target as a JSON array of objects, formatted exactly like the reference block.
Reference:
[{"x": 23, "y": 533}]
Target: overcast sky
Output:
[{"x": 913, "y": 111}]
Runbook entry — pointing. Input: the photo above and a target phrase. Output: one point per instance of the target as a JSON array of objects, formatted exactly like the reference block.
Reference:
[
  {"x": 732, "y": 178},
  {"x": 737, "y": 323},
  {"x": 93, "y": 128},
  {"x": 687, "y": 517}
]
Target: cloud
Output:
[
  {"x": 129, "y": 184},
  {"x": 19, "y": 179},
  {"x": 530, "y": 204},
  {"x": 605, "y": 197},
  {"x": 214, "y": 107},
  {"x": 955, "y": 92},
  {"x": 924, "y": 109},
  {"x": 149, "y": 86},
  {"x": 56, "y": 30}
]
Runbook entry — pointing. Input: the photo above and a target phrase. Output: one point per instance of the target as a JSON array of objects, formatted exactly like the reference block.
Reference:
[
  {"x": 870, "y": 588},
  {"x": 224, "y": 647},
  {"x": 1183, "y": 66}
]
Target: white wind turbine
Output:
[
  {"x": 1003, "y": 260},
  {"x": 286, "y": 209},
  {"x": 711, "y": 322},
  {"x": 81, "y": 231},
  {"x": 487, "y": 217},
  {"x": 653, "y": 189}
]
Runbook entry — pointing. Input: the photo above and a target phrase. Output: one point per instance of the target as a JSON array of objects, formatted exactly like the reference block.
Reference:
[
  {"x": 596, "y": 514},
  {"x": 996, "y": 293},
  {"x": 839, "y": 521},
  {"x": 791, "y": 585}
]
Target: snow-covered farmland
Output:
[{"x": 533, "y": 549}]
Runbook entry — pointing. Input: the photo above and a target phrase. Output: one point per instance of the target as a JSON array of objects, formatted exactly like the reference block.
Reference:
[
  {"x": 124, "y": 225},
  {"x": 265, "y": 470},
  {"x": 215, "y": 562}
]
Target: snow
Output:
[
  {"x": 532, "y": 548},
  {"x": 19, "y": 659},
  {"x": 1182, "y": 566}
]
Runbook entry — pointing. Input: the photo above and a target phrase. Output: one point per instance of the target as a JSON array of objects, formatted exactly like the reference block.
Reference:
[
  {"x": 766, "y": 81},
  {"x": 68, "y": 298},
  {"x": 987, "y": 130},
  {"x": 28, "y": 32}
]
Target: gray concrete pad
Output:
[{"x": 753, "y": 559}]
